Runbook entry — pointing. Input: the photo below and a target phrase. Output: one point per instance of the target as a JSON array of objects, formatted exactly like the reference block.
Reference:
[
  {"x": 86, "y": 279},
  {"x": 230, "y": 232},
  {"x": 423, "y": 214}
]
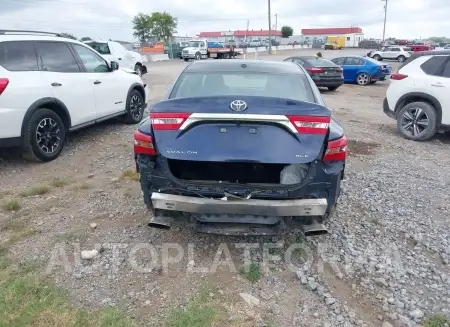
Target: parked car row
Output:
[{"x": 50, "y": 85}]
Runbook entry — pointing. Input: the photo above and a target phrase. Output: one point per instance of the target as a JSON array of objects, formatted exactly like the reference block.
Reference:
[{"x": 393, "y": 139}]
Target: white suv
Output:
[
  {"x": 51, "y": 85},
  {"x": 394, "y": 53},
  {"x": 418, "y": 96}
]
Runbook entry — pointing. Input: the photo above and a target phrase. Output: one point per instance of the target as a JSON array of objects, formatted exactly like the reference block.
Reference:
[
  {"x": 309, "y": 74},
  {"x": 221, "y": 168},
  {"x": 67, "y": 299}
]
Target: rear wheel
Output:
[
  {"x": 44, "y": 136},
  {"x": 377, "y": 57},
  {"x": 186, "y": 59},
  {"x": 401, "y": 58},
  {"x": 198, "y": 56},
  {"x": 417, "y": 121},
  {"x": 333, "y": 88},
  {"x": 135, "y": 107},
  {"x": 363, "y": 79}
]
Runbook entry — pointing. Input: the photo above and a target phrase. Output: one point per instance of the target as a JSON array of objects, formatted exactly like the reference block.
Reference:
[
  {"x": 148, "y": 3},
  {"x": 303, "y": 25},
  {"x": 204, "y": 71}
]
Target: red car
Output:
[{"x": 420, "y": 47}]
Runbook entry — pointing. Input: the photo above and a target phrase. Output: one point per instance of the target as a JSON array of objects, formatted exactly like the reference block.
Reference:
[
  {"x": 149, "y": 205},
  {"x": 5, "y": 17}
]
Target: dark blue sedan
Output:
[{"x": 363, "y": 70}]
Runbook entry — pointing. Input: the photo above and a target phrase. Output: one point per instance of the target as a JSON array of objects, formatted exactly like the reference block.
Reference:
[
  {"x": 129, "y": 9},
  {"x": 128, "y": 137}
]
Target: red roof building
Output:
[{"x": 325, "y": 31}]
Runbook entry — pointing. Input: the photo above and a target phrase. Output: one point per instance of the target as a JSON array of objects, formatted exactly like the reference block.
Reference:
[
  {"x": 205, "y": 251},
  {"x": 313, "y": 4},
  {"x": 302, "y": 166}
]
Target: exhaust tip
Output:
[
  {"x": 316, "y": 232},
  {"x": 159, "y": 226}
]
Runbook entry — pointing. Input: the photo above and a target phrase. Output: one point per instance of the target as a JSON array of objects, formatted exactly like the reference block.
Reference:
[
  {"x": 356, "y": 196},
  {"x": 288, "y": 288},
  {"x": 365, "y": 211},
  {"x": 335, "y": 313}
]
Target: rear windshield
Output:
[
  {"x": 295, "y": 87},
  {"x": 321, "y": 62},
  {"x": 101, "y": 48}
]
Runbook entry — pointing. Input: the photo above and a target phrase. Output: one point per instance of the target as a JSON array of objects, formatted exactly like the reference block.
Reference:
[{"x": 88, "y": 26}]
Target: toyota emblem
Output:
[{"x": 238, "y": 105}]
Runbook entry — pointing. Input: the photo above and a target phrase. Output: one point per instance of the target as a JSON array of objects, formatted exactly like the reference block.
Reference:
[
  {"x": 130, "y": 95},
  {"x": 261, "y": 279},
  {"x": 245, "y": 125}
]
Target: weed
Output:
[
  {"x": 252, "y": 272},
  {"x": 12, "y": 205},
  {"x": 59, "y": 182},
  {"x": 438, "y": 320},
  {"x": 83, "y": 186},
  {"x": 131, "y": 175},
  {"x": 36, "y": 190}
]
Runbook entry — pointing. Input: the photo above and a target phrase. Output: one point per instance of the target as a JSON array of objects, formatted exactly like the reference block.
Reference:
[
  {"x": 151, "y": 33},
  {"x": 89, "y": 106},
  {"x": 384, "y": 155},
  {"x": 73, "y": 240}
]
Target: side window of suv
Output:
[
  {"x": 432, "y": 65},
  {"x": 18, "y": 56},
  {"x": 446, "y": 72},
  {"x": 92, "y": 62},
  {"x": 56, "y": 57}
]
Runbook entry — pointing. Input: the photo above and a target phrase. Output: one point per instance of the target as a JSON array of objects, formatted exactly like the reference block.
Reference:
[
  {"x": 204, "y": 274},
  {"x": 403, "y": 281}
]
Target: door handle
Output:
[
  {"x": 437, "y": 85},
  {"x": 97, "y": 82},
  {"x": 119, "y": 58},
  {"x": 56, "y": 84}
]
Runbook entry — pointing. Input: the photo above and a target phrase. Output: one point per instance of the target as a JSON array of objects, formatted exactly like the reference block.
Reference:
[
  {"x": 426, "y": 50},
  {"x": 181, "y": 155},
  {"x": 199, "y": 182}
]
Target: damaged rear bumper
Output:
[{"x": 281, "y": 208}]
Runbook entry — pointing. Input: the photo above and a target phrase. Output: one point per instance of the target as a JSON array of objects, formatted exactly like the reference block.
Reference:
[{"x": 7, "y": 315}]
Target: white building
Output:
[{"x": 353, "y": 35}]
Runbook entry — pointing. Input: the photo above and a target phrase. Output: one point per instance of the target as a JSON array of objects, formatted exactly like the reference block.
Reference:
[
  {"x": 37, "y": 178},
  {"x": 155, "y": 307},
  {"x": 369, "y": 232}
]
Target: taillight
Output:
[
  {"x": 398, "y": 77},
  {"x": 339, "y": 70},
  {"x": 316, "y": 70},
  {"x": 3, "y": 84},
  {"x": 168, "y": 121},
  {"x": 336, "y": 150},
  {"x": 143, "y": 144},
  {"x": 310, "y": 124}
]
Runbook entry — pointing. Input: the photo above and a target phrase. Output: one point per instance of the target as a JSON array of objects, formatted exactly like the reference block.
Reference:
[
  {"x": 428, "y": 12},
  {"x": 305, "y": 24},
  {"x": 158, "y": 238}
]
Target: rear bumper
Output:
[
  {"x": 332, "y": 83},
  {"x": 281, "y": 208},
  {"x": 387, "y": 110}
]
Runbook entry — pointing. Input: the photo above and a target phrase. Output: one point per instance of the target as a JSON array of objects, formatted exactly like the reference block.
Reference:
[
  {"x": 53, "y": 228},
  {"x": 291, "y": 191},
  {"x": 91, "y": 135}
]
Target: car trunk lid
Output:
[{"x": 261, "y": 129}]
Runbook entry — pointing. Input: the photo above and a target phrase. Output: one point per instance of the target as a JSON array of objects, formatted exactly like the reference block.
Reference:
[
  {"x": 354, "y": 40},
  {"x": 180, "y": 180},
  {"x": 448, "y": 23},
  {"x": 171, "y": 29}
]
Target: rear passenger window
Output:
[
  {"x": 339, "y": 61},
  {"x": 432, "y": 65},
  {"x": 18, "y": 56},
  {"x": 446, "y": 72},
  {"x": 354, "y": 61},
  {"x": 56, "y": 57}
]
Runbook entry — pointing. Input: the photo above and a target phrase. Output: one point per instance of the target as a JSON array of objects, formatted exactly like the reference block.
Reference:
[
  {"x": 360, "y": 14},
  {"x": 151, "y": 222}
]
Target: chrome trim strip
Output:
[
  {"x": 278, "y": 119},
  {"x": 282, "y": 208}
]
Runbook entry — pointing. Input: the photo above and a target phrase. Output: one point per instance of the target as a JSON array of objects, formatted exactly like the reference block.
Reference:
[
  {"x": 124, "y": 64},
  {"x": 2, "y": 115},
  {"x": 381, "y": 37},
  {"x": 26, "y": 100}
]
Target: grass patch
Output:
[
  {"x": 36, "y": 190},
  {"x": 60, "y": 182},
  {"x": 252, "y": 272},
  {"x": 5, "y": 193},
  {"x": 18, "y": 230},
  {"x": 81, "y": 187},
  {"x": 28, "y": 300},
  {"x": 130, "y": 175},
  {"x": 438, "y": 320},
  {"x": 12, "y": 205},
  {"x": 198, "y": 312}
]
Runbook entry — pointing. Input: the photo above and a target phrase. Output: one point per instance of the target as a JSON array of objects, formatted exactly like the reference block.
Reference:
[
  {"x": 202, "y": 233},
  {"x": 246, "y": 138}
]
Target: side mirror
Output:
[{"x": 114, "y": 65}]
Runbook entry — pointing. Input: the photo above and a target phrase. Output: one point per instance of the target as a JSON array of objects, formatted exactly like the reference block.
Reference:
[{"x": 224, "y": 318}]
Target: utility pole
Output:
[
  {"x": 276, "y": 22},
  {"x": 385, "y": 16},
  {"x": 245, "y": 38},
  {"x": 270, "y": 29}
]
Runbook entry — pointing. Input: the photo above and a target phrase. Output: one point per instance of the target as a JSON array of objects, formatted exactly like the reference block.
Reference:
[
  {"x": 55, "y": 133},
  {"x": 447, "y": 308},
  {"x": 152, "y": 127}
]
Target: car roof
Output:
[
  {"x": 35, "y": 37},
  {"x": 238, "y": 65},
  {"x": 416, "y": 55}
]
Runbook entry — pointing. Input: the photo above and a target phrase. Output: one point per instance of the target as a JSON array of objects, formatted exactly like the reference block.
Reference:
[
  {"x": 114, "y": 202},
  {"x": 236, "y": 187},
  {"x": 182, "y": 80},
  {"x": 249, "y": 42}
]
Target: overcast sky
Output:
[{"x": 112, "y": 18}]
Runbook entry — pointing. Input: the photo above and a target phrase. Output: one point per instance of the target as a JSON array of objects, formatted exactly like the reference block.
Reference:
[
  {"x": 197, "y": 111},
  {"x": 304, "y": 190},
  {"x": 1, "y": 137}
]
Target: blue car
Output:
[
  {"x": 241, "y": 147},
  {"x": 363, "y": 70}
]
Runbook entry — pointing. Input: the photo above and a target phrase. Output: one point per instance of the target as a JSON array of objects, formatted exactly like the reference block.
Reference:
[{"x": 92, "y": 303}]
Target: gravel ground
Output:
[{"x": 385, "y": 262}]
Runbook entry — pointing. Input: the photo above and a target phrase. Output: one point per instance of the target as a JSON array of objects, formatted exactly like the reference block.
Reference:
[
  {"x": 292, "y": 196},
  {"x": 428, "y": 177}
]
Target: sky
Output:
[{"x": 409, "y": 19}]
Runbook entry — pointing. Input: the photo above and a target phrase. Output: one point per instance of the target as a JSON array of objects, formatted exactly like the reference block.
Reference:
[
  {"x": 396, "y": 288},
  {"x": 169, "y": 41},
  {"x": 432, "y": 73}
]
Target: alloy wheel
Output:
[
  {"x": 414, "y": 121},
  {"x": 136, "y": 106},
  {"x": 48, "y": 135},
  {"x": 363, "y": 79}
]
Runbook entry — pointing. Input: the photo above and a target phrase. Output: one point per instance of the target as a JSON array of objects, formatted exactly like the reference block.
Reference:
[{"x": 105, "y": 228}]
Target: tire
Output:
[
  {"x": 138, "y": 70},
  {"x": 372, "y": 82},
  {"x": 134, "y": 107},
  {"x": 411, "y": 121},
  {"x": 401, "y": 58},
  {"x": 50, "y": 143},
  {"x": 377, "y": 57},
  {"x": 363, "y": 79},
  {"x": 333, "y": 88},
  {"x": 186, "y": 59},
  {"x": 226, "y": 56},
  {"x": 198, "y": 56}
]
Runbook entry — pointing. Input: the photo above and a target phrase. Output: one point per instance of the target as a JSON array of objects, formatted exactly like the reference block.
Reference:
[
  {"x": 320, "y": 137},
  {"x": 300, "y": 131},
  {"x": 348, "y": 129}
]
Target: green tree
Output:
[
  {"x": 69, "y": 36},
  {"x": 439, "y": 39},
  {"x": 161, "y": 25},
  {"x": 85, "y": 38},
  {"x": 142, "y": 27},
  {"x": 287, "y": 31}
]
